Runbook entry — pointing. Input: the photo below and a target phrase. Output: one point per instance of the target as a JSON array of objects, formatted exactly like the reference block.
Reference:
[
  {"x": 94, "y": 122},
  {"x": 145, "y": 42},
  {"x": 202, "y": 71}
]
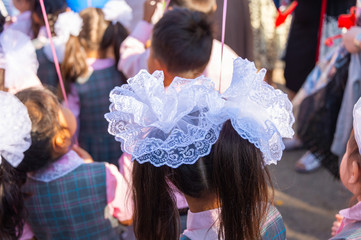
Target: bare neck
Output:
[{"x": 205, "y": 203}]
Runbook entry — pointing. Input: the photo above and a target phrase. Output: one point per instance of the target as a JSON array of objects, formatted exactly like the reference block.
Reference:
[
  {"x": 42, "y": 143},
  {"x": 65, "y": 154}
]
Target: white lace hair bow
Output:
[
  {"x": 357, "y": 123},
  {"x": 15, "y": 129},
  {"x": 180, "y": 125},
  {"x": 258, "y": 112},
  {"x": 68, "y": 23},
  {"x": 19, "y": 53},
  {"x": 118, "y": 11}
]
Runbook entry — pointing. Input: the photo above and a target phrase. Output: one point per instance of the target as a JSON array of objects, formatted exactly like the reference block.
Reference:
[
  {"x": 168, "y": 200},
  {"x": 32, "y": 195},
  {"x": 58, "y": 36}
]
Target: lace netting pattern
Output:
[
  {"x": 179, "y": 125},
  {"x": 163, "y": 127}
]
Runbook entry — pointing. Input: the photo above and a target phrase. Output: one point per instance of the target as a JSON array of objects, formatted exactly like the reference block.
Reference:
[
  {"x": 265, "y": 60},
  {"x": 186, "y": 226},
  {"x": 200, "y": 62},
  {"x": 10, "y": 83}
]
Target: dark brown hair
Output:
[
  {"x": 205, "y": 6},
  {"x": 97, "y": 34},
  {"x": 182, "y": 40},
  {"x": 234, "y": 171},
  {"x": 12, "y": 211},
  {"x": 53, "y": 8},
  {"x": 43, "y": 108}
]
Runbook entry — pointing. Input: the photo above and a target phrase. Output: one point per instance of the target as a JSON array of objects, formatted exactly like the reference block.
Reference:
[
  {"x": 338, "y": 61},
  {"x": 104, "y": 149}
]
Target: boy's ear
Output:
[{"x": 355, "y": 173}]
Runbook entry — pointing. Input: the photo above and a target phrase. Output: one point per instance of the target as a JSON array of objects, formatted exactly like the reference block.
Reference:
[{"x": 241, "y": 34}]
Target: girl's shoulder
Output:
[{"x": 350, "y": 231}]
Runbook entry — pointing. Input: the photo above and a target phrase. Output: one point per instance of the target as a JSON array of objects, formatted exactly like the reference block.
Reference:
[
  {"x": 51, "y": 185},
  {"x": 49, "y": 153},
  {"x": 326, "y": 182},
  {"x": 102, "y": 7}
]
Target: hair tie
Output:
[{"x": 68, "y": 23}]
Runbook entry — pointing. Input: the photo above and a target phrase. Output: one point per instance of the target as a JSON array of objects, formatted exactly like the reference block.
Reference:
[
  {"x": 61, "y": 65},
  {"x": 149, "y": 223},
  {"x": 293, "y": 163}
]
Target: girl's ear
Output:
[
  {"x": 61, "y": 142},
  {"x": 355, "y": 173}
]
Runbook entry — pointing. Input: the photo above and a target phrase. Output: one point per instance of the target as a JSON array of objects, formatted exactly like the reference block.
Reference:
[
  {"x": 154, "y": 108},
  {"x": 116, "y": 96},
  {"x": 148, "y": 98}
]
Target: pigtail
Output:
[
  {"x": 53, "y": 9},
  {"x": 155, "y": 213},
  {"x": 240, "y": 181},
  {"x": 114, "y": 35},
  {"x": 12, "y": 210},
  {"x": 74, "y": 64}
]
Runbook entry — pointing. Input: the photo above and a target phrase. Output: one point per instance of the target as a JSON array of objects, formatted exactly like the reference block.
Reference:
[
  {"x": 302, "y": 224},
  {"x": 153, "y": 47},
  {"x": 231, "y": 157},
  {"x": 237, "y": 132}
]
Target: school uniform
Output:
[
  {"x": 46, "y": 71},
  {"x": 205, "y": 225},
  {"x": 73, "y": 200},
  {"x": 351, "y": 224},
  {"x": 93, "y": 92}
]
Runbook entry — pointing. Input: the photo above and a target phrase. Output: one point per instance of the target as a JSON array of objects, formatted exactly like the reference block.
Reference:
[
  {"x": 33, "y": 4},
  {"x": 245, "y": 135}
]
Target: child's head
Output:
[
  {"x": 205, "y": 6},
  {"x": 181, "y": 44},
  {"x": 52, "y": 128},
  {"x": 15, "y": 126},
  {"x": 350, "y": 168},
  {"x": 24, "y": 5},
  {"x": 53, "y": 8},
  {"x": 98, "y": 38}
]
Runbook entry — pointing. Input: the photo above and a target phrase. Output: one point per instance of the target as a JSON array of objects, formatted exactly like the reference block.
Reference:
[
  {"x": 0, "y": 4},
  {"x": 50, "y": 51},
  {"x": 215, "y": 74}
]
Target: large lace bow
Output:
[
  {"x": 179, "y": 125},
  {"x": 257, "y": 111},
  {"x": 15, "y": 128},
  {"x": 163, "y": 126}
]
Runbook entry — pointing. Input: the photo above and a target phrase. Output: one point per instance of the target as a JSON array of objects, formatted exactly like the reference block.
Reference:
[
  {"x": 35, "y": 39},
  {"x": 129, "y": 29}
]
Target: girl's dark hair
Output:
[
  {"x": 234, "y": 171},
  {"x": 182, "y": 40},
  {"x": 12, "y": 211},
  {"x": 2, "y": 22},
  {"x": 97, "y": 34},
  {"x": 43, "y": 108},
  {"x": 53, "y": 8}
]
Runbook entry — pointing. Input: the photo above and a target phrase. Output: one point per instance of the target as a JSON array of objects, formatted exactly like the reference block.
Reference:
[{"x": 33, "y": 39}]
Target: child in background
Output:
[
  {"x": 348, "y": 223},
  {"x": 23, "y": 22},
  {"x": 15, "y": 128},
  {"x": 214, "y": 148},
  {"x": 54, "y": 9},
  {"x": 89, "y": 73},
  {"x": 70, "y": 199},
  {"x": 16, "y": 52},
  {"x": 134, "y": 55}
]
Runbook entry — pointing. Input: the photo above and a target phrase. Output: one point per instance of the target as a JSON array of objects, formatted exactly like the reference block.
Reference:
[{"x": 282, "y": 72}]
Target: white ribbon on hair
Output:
[{"x": 118, "y": 11}]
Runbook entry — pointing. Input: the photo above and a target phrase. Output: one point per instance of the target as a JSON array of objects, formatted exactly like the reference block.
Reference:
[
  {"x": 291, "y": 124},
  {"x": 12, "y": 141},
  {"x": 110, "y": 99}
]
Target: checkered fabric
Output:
[
  {"x": 272, "y": 229},
  {"x": 351, "y": 231},
  {"x": 46, "y": 71},
  {"x": 71, "y": 207},
  {"x": 94, "y": 103}
]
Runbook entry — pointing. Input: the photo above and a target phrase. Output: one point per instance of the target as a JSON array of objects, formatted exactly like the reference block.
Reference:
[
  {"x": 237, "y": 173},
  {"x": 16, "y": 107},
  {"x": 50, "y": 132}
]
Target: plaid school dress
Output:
[
  {"x": 94, "y": 103},
  {"x": 72, "y": 206},
  {"x": 46, "y": 71},
  {"x": 273, "y": 227},
  {"x": 351, "y": 231}
]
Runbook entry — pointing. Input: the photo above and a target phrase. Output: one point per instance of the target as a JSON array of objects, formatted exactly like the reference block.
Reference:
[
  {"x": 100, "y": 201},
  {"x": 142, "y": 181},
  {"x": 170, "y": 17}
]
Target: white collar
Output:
[{"x": 60, "y": 168}]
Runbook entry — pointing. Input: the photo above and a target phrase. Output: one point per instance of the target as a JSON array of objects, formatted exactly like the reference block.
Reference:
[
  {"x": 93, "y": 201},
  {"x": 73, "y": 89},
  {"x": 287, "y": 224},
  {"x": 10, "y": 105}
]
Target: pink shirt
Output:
[
  {"x": 134, "y": 56},
  {"x": 117, "y": 188},
  {"x": 22, "y": 24},
  {"x": 350, "y": 215},
  {"x": 203, "y": 225}
]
